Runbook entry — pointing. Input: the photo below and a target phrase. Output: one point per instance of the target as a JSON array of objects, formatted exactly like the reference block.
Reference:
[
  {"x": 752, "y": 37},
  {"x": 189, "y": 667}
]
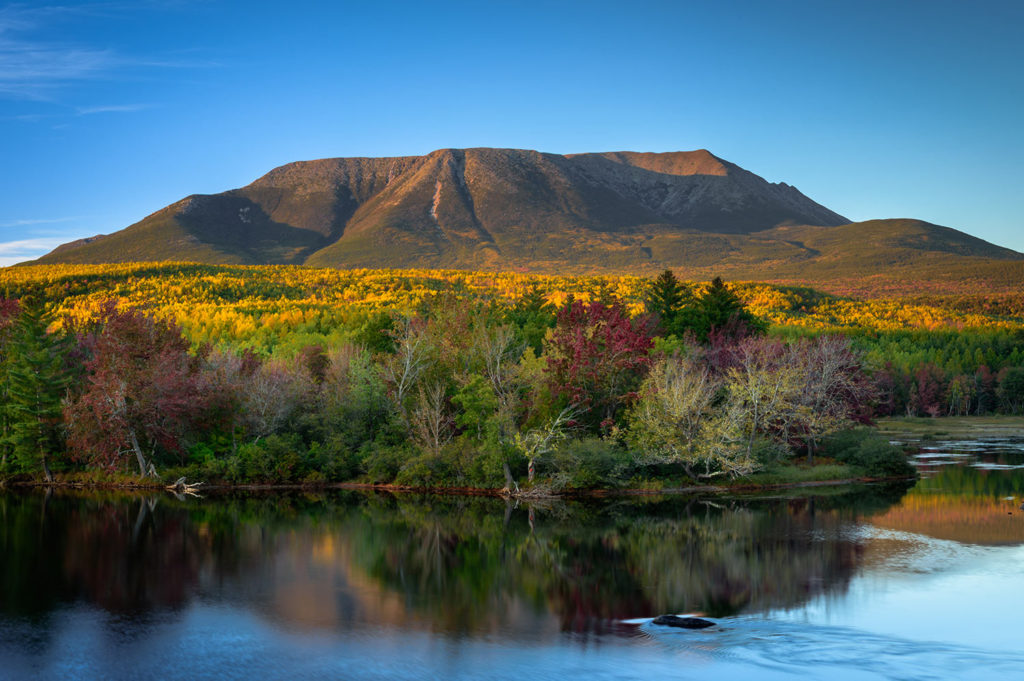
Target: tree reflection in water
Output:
[{"x": 459, "y": 565}]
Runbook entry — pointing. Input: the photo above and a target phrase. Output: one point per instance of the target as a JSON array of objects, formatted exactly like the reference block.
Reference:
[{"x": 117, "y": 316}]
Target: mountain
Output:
[{"x": 519, "y": 209}]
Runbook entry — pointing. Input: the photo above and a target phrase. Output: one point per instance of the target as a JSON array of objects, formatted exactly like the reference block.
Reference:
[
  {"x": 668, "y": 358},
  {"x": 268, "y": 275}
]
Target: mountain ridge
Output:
[{"x": 520, "y": 209}]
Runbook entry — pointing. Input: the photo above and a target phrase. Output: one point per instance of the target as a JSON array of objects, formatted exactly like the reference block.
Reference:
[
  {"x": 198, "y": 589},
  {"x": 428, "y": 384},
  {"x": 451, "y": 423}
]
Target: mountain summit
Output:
[
  {"x": 457, "y": 208},
  {"x": 507, "y": 209}
]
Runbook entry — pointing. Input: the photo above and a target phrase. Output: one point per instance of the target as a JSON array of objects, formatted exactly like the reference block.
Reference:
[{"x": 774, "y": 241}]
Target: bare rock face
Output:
[
  {"x": 683, "y": 622},
  {"x": 459, "y": 208},
  {"x": 514, "y": 209}
]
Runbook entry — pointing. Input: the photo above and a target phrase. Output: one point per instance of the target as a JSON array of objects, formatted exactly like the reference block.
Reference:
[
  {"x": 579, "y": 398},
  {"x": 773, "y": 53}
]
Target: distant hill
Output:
[{"x": 524, "y": 210}]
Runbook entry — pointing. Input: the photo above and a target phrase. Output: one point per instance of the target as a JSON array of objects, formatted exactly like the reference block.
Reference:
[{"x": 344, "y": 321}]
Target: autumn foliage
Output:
[
  {"x": 474, "y": 379},
  {"x": 596, "y": 358},
  {"x": 141, "y": 393}
]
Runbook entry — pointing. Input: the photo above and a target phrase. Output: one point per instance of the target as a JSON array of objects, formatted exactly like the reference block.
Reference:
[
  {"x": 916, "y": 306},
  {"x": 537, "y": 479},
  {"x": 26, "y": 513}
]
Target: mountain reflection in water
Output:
[
  {"x": 454, "y": 565},
  {"x": 846, "y": 583}
]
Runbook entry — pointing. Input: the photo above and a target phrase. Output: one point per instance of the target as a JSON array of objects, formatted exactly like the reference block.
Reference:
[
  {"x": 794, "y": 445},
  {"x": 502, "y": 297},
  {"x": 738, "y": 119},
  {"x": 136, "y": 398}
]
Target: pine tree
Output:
[
  {"x": 669, "y": 300},
  {"x": 8, "y": 313},
  {"x": 37, "y": 379},
  {"x": 720, "y": 310}
]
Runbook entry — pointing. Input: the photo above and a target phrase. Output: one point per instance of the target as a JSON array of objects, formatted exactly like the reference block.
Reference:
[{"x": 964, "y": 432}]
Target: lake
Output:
[{"x": 866, "y": 582}]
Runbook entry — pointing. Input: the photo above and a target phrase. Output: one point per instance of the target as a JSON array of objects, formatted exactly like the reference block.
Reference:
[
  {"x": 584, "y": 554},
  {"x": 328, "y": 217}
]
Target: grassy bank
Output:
[
  {"x": 950, "y": 427},
  {"x": 825, "y": 473}
]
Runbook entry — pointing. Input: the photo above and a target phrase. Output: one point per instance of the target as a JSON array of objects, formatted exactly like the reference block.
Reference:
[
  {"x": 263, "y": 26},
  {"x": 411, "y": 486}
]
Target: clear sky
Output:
[{"x": 112, "y": 110}]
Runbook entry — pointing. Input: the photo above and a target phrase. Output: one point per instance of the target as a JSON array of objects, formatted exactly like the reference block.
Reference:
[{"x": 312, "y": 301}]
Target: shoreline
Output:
[
  {"x": 953, "y": 427},
  {"x": 450, "y": 491}
]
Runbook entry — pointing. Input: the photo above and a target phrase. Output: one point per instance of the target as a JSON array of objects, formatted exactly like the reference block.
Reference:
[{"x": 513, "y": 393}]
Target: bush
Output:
[
  {"x": 333, "y": 460},
  {"x": 383, "y": 462},
  {"x": 276, "y": 458},
  {"x": 767, "y": 452},
  {"x": 869, "y": 451},
  {"x": 426, "y": 470},
  {"x": 588, "y": 463}
]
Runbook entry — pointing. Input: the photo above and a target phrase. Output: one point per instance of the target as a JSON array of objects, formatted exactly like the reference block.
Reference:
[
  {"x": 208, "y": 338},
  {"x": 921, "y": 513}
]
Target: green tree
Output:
[
  {"x": 8, "y": 313},
  {"x": 37, "y": 380},
  {"x": 532, "y": 315},
  {"x": 671, "y": 302},
  {"x": 1011, "y": 389},
  {"x": 721, "y": 311}
]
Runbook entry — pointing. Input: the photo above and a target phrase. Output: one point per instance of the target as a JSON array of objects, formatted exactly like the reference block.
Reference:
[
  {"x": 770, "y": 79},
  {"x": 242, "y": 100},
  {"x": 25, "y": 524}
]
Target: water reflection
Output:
[
  {"x": 343, "y": 561},
  {"x": 970, "y": 492}
]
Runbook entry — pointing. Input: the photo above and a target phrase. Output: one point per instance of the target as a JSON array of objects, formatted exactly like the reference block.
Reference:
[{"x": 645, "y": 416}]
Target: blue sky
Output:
[{"x": 112, "y": 110}]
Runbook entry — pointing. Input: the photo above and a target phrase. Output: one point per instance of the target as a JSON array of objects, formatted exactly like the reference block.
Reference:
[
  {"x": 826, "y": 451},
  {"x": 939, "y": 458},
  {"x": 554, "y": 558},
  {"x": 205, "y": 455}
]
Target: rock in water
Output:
[{"x": 683, "y": 622}]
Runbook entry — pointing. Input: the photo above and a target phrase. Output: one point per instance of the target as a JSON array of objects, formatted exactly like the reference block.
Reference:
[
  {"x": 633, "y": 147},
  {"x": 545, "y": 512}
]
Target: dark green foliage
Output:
[
  {"x": 376, "y": 332},
  {"x": 331, "y": 461},
  {"x": 462, "y": 463},
  {"x": 869, "y": 451},
  {"x": 353, "y": 406},
  {"x": 768, "y": 452},
  {"x": 1011, "y": 390},
  {"x": 588, "y": 463},
  {"x": 532, "y": 315},
  {"x": 277, "y": 458},
  {"x": 426, "y": 470},
  {"x": 720, "y": 311},
  {"x": 478, "y": 406},
  {"x": 666, "y": 295},
  {"x": 671, "y": 303},
  {"x": 36, "y": 378},
  {"x": 383, "y": 462},
  {"x": 717, "y": 312}
]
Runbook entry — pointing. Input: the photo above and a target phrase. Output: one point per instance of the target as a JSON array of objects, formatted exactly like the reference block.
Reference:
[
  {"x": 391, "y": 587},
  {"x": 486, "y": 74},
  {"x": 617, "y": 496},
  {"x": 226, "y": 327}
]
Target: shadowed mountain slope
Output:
[
  {"x": 526, "y": 210},
  {"x": 454, "y": 207}
]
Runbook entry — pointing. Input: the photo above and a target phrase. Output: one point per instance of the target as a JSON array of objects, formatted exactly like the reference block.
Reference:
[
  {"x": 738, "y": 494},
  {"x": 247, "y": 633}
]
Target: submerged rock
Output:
[{"x": 683, "y": 622}]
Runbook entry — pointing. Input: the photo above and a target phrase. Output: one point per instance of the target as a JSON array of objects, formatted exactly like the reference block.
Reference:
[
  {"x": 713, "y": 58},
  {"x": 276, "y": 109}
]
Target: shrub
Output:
[
  {"x": 869, "y": 451},
  {"x": 333, "y": 460},
  {"x": 426, "y": 470},
  {"x": 589, "y": 463},
  {"x": 382, "y": 462},
  {"x": 275, "y": 459}
]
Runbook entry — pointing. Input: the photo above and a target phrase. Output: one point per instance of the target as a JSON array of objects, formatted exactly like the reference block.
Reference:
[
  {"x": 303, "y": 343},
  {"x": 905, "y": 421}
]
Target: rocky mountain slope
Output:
[{"x": 526, "y": 210}]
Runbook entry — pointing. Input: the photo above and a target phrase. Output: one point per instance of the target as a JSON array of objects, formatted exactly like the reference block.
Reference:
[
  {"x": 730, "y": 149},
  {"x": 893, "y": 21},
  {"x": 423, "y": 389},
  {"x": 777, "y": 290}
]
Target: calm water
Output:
[{"x": 865, "y": 583}]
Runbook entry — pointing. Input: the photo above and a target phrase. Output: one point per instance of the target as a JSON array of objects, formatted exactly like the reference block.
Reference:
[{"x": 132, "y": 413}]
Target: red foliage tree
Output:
[
  {"x": 9, "y": 308},
  {"x": 141, "y": 394},
  {"x": 597, "y": 356},
  {"x": 890, "y": 390},
  {"x": 927, "y": 391}
]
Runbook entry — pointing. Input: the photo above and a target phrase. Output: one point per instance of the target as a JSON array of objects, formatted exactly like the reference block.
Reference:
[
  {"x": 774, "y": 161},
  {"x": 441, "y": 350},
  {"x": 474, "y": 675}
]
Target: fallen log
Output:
[{"x": 180, "y": 487}]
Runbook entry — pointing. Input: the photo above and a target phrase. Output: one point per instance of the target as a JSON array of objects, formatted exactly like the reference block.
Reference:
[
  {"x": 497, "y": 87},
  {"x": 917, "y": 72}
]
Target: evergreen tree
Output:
[
  {"x": 721, "y": 311},
  {"x": 37, "y": 379},
  {"x": 532, "y": 315},
  {"x": 670, "y": 302},
  {"x": 8, "y": 313}
]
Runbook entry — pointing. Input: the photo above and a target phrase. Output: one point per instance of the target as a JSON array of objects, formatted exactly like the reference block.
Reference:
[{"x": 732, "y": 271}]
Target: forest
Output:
[{"x": 474, "y": 380}]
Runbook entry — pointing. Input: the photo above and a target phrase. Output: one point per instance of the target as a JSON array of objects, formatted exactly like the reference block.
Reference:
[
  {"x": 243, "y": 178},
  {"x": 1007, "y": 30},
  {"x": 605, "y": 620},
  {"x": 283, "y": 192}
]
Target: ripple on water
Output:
[{"x": 838, "y": 652}]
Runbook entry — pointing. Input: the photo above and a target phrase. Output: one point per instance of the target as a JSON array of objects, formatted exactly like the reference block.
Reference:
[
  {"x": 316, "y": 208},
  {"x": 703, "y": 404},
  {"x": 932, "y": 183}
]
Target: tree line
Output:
[{"x": 458, "y": 393}]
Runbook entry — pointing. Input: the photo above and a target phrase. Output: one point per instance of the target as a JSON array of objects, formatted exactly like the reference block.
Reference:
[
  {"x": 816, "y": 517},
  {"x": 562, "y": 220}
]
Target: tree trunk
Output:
[
  {"x": 810, "y": 449},
  {"x": 46, "y": 468},
  {"x": 138, "y": 453},
  {"x": 140, "y": 519}
]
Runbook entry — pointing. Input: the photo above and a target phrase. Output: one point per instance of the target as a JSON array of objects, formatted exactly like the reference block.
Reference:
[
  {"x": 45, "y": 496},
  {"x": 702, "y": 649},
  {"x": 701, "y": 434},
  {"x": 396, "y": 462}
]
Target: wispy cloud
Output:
[
  {"x": 13, "y": 252},
  {"x": 39, "y": 221},
  {"x": 31, "y": 69},
  {"x": 37, "y": 69},
  {"x": 111, "y": 108}
]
